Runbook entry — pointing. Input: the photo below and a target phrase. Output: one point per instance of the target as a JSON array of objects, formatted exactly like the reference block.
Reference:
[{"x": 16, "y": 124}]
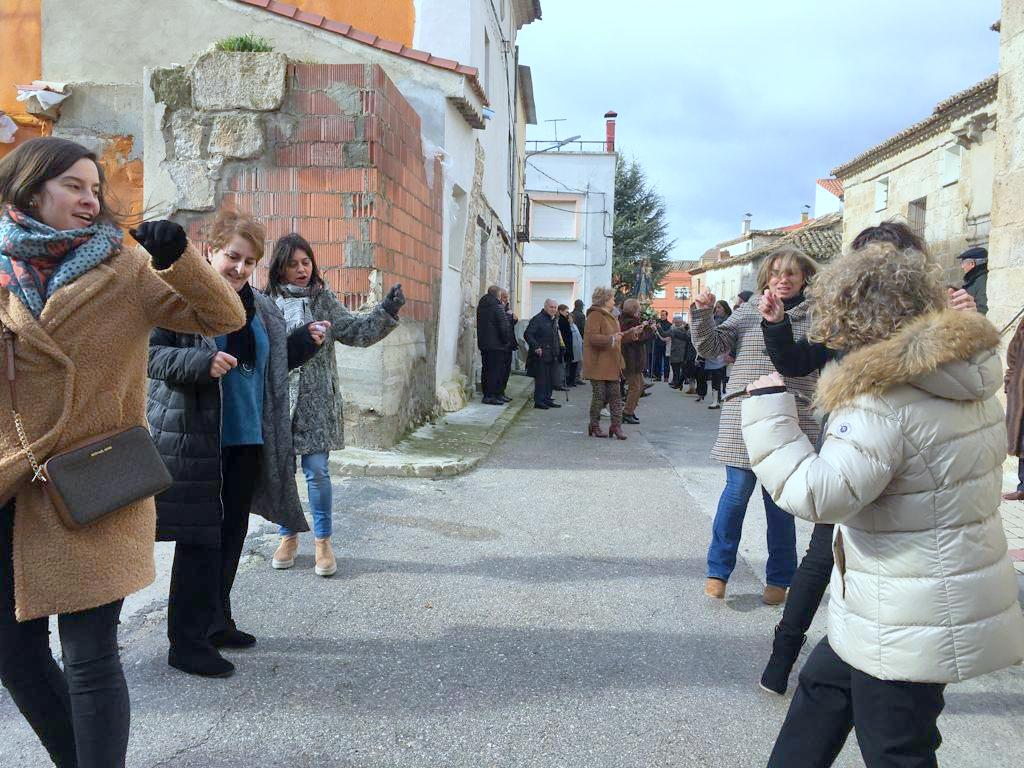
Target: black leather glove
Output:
[
  {"x": 394, "y": 301},
  {"x": 164, "y": 240}
]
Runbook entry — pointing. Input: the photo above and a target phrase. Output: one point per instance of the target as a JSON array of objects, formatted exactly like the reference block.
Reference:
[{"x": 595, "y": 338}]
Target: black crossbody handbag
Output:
[{"x": 100, "y": 475}]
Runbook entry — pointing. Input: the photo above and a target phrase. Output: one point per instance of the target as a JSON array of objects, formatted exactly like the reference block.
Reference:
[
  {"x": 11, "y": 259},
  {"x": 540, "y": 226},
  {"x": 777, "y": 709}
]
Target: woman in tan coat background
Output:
[
  {"x": 81, "y": 307},
  {"x": 602, "y": 363},
  {"x": 1013, "y": 386}
]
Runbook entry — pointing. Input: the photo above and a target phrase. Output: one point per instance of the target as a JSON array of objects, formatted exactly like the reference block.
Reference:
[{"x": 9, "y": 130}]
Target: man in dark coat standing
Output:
[
  {"x": 579, "y": 316},
  {"x": 974, "y": 263},
  {"x": 542, "y": 340},
  {"x": 513, "y": 343},
  {"x": 492, "y": 340}
]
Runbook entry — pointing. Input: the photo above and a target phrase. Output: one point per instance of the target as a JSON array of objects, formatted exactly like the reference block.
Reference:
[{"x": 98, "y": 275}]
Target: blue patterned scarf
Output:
[{"x": 36, "y": 260}]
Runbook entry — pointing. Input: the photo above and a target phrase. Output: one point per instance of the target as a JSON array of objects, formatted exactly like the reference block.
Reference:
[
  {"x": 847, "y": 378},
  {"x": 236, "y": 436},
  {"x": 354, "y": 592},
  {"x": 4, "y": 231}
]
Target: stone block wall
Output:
[
  {"x": 333, "y": 152},
  {"x": 1006, "y": 244}
]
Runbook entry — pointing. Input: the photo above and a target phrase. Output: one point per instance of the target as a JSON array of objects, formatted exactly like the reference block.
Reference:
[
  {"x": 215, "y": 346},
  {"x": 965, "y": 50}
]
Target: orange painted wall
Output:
[
  {"x": 390, "y": 19},
  {"x": 20, "y": 59},
  {"x": 670, "y": 282}
]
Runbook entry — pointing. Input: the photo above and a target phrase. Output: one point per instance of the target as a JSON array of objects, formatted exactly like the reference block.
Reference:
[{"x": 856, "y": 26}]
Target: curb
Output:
[{"x": 441, "y": 466}]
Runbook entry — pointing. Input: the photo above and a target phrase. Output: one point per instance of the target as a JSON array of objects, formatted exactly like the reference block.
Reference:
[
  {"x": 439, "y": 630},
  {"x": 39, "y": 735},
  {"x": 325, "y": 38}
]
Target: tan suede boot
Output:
[
  {"x": 284, "y": 557},
  {"x": 326, "y": 565},
  {"x": 715, "y": 588},
  {"x": 773, "y": 595}
]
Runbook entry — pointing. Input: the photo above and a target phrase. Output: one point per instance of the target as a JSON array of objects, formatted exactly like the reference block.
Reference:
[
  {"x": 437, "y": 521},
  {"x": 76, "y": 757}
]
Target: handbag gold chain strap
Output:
[{"x": 37, "y": 470}]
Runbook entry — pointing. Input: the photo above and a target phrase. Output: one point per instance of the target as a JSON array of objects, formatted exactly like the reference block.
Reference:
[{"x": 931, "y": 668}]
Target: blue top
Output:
[{"x": 242, "y": 388}]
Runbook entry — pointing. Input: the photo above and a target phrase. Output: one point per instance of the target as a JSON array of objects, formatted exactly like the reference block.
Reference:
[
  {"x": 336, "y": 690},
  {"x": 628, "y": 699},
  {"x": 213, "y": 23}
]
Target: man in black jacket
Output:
[
  {"x": 542, "y": 340},
  {"x": 513, "y": 344},
  {"x": 492, "y": 338},
  {"x": 974, "y": 262}
]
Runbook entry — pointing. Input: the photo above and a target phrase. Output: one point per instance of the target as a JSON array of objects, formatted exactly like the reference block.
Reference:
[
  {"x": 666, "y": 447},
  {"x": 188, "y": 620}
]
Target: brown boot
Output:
[
  {"x": 326, "y": 565},
  {"x": 715, "y": 588},
  {"x": 284, "y": 557},
  {"x": 773, "y": 595},
  {"x": 615, "y": 430},
  {"x": 596, "y": 431}
]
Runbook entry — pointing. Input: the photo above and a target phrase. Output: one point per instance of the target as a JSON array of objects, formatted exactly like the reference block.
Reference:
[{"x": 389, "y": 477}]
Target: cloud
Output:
[{"x": 740, "y": 105}]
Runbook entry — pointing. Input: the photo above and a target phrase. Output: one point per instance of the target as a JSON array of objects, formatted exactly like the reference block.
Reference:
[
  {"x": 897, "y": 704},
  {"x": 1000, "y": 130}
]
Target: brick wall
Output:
[{"x": 344, "y": 168}]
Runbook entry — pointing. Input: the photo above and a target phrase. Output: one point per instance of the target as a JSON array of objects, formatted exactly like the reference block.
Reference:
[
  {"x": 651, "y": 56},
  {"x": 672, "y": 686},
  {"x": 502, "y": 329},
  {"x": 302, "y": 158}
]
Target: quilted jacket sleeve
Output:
[
  {"x": 857, "y": 461},
  {"x": 177, "y": 365}
]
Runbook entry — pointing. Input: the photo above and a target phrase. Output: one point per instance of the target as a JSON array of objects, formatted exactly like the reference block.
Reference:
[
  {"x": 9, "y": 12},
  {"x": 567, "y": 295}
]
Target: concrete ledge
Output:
[{"x": 454, "y": 445}]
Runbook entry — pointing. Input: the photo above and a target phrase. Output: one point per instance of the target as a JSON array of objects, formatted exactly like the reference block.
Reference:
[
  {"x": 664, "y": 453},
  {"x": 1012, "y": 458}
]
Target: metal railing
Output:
[{"x": 572, "y": 146}]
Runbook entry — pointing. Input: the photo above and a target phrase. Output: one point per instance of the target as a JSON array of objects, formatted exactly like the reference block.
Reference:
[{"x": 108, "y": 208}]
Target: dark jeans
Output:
[
  {"x": 716, "y": 377},
  {"x": 572, "y": 371},
  {"x": 201, "y": 578},
  {"x": 895, "y": 721},
  {"x": 677, "y": 374},
  {"x": 728, "y": 527},
  {"x": 81, "y": 715},
  {"x": 543, "y": 381},
  {"x": 702, "y": 381},
  {"x": 658, "y": 363},
  {"x": 493, "y": 373},
  {"x": 809, "y": 583}
]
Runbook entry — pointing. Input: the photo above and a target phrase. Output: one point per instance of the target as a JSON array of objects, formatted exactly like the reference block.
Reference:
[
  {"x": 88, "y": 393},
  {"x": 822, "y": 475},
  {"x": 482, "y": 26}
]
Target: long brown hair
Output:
[
  {"x": 283, "y": 250},
  {"x": 25, "y": 170}
]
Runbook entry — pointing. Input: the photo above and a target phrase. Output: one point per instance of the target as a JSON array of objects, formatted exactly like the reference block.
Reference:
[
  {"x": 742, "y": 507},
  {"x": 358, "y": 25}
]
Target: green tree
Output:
[{"x": 640, "y": 231}]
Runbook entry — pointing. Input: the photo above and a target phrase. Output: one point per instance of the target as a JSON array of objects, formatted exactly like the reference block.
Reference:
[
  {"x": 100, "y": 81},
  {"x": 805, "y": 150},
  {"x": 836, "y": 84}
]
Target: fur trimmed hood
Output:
[{"x": 941, "y": 353}]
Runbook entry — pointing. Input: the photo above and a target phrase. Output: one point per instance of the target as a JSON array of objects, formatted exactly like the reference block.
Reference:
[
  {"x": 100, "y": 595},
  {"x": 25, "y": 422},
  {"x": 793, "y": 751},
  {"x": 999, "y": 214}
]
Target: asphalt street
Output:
[{"x": 546, "y": 609}]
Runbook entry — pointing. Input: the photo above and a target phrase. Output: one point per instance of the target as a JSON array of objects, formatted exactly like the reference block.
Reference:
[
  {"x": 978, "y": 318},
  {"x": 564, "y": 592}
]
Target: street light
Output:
[{"x": 559, "y": 145}]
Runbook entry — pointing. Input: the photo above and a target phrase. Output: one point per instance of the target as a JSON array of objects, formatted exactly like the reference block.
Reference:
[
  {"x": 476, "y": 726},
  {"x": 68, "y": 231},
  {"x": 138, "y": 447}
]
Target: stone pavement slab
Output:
[{"x": 454, "y": 444}]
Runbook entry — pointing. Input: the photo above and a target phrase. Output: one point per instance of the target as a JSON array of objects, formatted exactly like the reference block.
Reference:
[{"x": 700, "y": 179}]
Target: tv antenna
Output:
[{"x": 556, "y": 121}]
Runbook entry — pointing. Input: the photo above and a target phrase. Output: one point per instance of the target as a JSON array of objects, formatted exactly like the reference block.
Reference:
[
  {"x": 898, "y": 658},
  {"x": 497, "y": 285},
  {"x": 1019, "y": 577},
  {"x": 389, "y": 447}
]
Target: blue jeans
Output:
[
  {"x": 728, "y": 526},
  {"x": 317, "y": 470}
]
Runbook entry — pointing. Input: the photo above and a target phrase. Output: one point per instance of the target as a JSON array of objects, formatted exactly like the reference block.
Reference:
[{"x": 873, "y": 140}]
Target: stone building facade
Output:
[
  {"x": 936, "y": 176},
  {"x": 1006, "y": 241}
]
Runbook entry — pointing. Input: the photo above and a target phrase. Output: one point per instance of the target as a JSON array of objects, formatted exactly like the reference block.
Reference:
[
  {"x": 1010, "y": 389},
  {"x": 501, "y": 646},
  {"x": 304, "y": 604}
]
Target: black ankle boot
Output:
[{"x": 785, "y": 651}]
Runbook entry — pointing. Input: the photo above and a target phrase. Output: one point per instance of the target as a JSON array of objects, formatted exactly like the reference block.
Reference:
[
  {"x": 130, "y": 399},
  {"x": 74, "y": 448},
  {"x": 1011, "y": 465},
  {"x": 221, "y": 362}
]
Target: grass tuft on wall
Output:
[{"x": 248, "y": 43}]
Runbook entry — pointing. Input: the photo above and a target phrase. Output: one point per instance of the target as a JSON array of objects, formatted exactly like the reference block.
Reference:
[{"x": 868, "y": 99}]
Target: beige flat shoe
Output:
[
  {"x": 284, "y": 557},
  {"x": 325, "y": 565}
]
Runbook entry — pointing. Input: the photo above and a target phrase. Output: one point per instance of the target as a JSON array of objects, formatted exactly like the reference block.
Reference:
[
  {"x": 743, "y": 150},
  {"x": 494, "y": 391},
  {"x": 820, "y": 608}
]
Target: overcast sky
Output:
[{"x": 740, "y": 105}]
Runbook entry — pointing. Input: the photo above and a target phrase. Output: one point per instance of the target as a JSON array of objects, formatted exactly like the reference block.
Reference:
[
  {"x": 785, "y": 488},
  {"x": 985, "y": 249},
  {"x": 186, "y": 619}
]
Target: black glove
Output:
[
  {"x": 164, "y": 240},
  {"x": 394, "y": 301}
]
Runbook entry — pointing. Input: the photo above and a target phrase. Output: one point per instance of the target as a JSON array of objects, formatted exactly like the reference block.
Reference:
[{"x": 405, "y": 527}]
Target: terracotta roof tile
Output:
[
  {"x": 313, "y": 19},
  {"x": 391, "y": 46},
  {"x": 821, "y": 239},
  {"x": 282, "y": 9},
  {"x": 835, "y": 186}
]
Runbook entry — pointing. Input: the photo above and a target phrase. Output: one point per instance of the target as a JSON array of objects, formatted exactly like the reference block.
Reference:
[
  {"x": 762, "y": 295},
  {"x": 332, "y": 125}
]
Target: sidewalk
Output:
[
  {"x": 453, "y": 445},
  {"x": 1013, "y": 523}
]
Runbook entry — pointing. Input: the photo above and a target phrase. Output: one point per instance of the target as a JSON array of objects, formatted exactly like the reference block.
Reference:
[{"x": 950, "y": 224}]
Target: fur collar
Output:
[{"x": 918, "y": 348}]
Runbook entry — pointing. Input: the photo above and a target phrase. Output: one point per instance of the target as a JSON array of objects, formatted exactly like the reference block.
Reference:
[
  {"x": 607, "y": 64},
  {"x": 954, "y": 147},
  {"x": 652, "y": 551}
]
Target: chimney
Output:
[
  {"x": 609, "y": 130},
  {"x": 745, "y": 224},
  {"x": 805, "y": 214}
]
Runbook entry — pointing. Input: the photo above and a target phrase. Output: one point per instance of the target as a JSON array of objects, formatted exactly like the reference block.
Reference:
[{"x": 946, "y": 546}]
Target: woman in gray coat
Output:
[{"x": 295, "y": 284}]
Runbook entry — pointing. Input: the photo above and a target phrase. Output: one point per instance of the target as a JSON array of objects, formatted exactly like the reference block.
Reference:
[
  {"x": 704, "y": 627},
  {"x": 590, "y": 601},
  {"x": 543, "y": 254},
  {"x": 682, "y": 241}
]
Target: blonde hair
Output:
[
  {"x": 866, "y": 296},
  {"x": 229, "y": 223},
  {"x": 791, "y": 260},
  {"x": 601, "y": 296}
]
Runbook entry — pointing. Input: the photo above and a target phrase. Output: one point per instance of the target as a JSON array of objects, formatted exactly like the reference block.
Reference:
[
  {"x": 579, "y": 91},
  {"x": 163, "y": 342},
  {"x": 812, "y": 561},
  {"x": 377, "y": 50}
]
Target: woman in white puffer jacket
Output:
[{"x": 923, "y": 592}]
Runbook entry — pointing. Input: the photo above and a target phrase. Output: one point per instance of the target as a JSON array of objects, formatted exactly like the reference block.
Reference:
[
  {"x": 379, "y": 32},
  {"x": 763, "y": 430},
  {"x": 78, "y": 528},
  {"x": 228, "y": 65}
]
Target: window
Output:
[
  {"x": 457, "y": 227},
  {"x": 659, "y": 293},
  {"x": 487, "y": 63},
  {"x": 882, "y": 194},
  {"x": 682, "y": 292},
  {"x": 553, "y": 219},
  {"x": 916, "y": 215},
  {"x": 951, "y": 157}
]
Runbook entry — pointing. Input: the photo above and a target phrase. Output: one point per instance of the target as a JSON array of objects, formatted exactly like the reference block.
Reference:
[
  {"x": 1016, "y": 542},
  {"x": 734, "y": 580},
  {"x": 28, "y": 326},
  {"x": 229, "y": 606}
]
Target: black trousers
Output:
[
  {"x": 572, "y": 371},
  {"x": 809, "y": 583},
  {"x": 493, "y": 373},
  {"x": 543, "y": 381},
  {"x": 199, "y": 604},
  {"x": 506, "y": 369},
  {"x": 81, "y": 715},
  {"x": 895, "y": 721}
]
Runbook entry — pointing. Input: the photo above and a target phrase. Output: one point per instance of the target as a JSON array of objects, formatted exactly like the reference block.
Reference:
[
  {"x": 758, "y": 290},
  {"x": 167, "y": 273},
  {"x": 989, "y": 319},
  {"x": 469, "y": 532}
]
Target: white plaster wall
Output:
[
  {"x": 455, "y": 29},
  {"x": 725, "y": 283},
  {"x": 459, "y": 143},
  {"x": 586, "y": 261}
]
